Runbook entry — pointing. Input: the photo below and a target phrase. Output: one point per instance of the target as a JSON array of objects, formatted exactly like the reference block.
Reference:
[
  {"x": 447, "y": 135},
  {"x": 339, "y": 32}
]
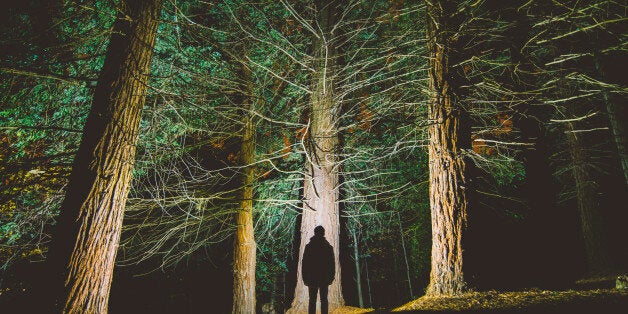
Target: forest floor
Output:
[{"x": 586, "y": 297}]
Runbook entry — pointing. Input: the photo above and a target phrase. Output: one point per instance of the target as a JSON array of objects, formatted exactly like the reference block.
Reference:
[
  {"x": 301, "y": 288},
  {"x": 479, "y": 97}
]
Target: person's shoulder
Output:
[{"x": 326, "y": 243}]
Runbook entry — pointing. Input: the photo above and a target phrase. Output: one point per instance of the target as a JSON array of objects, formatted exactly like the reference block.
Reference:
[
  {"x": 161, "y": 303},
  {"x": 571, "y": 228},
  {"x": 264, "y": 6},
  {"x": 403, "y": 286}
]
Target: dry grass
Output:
[
  {"x": 351, "y": 310},
  {"x": 514, "y": 301}
]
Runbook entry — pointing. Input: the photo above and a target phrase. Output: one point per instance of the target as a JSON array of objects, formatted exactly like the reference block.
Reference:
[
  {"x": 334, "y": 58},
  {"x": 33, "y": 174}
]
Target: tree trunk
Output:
[
  {"x": 244, "y": 243},
  {"x": 358, "y": 274},
  {"x": 320, "y": 194},
  {"x": 405, "y": 256},
  {"x": 615, "y": 110},
  {"x": 368, "y": 282},
  {"x": 448, "y": 136},
  {"x": 598, "y": 260},
  {"x": 618, "y": 129},
  {"x": 86, "y": 239}
]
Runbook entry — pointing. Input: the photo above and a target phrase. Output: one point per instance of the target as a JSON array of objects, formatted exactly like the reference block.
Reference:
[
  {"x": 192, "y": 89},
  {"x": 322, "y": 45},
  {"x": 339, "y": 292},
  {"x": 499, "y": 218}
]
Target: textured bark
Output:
[
  {"x": 244, "y": 243},
  {"x": 88, "y": 232},
  {"x": 448, "y": 135},
  {"x": 320, "y": 195},
  {"x": 598, "y": 260}
]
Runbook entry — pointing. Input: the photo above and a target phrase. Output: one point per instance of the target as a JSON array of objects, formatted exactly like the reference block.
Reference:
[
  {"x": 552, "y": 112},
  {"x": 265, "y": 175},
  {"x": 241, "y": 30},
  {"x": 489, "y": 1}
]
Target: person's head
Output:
[{"x": 319, "y": 231}]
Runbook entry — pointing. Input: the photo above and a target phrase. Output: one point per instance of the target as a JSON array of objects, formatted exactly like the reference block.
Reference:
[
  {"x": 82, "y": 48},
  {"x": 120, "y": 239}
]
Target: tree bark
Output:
[
  {"x": 321, "y": 195},
  {"x": 244, "y": 243},
  {"x": 448, "y": 136},
  {"x": 86, "y": 239}
]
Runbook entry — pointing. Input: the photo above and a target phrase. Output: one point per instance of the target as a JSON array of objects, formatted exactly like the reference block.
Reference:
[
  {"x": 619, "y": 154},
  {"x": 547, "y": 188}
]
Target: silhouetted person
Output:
[{"x": 318, "y": 268}]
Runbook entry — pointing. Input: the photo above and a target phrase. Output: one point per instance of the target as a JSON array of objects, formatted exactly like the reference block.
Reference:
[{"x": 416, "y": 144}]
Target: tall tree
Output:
[
  {"x": 615, "y": 112},
  {"x": 89, "y": 226},
  {"x": 244, "y": 242},
  {"x": 576, "y": 50},
  {"x": 449, "y": 135},
  {"x": 320, "y": 194},
  {"x": 597, "y": 258}
]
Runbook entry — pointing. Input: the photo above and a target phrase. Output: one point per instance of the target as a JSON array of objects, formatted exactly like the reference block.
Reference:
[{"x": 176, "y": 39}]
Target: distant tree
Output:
[
  {"x": 597, "y": 256},
  {"x": 86, "y": 238},
  {"x": 576, "y": 43}
]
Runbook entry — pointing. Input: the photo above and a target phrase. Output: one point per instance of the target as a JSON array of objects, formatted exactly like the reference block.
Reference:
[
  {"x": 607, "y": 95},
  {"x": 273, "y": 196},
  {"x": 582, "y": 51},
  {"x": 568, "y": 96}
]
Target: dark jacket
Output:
[{"x": 318, "y": 267}]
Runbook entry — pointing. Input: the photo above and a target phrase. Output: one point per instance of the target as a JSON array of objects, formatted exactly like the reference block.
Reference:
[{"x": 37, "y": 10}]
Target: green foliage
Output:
[{"x": 187, "y": 170}]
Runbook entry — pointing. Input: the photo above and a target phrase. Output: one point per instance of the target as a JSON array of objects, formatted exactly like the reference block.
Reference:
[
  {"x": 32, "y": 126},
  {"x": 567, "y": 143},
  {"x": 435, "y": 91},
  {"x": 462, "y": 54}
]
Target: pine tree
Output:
[
  {"x": 449, "y": 135},
  {"x": 86, "y": 238}
]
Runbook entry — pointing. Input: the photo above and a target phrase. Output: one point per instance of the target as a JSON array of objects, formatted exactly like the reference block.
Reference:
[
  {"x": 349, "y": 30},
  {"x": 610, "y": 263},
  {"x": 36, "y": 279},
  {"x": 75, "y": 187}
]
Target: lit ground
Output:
[
  {"x": 591, "y": 296},
  {"x": 351, "y": 310},
  {"x": 533, "y": 301}
]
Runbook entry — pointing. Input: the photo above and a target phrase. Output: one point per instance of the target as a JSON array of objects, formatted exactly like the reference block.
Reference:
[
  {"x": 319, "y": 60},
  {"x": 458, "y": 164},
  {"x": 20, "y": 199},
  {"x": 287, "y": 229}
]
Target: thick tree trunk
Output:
[
  {"x": 88, "y": 232},
  {"x": 598, "y": 260},
  {"x": 448, "y": 136},
  {"x": 244, "y": 243},
  {"x": 320, "y": 195}
]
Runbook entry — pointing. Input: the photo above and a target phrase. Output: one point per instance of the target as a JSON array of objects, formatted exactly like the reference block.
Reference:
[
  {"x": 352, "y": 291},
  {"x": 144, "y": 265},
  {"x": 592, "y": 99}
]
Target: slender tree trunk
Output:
[
  {"x": 358, "y": 274},
  {"x": 273, "y": 295},
  {"x": 448, "y": 137},
  {"x": 320, "y": 195},
  {"x": 405, "y": 256},
  {"x": 368, "y": 282},
  {"x": 244, "y": 244},
  {"x": 88, "y": 232},
  {"x": 618, "y": 129},
  {"x": 598, "y": 260}
]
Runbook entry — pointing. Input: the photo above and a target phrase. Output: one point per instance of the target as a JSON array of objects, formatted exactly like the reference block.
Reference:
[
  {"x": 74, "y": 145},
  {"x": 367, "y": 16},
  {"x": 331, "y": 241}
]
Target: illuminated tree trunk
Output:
[
  {"x": 448, "y": 196},
  {"x": 89, "y": 226},
  {"x": 598, "y": 260},
  {"x": 320, "y": 195},
  {"x": 244, "y": 243}
]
